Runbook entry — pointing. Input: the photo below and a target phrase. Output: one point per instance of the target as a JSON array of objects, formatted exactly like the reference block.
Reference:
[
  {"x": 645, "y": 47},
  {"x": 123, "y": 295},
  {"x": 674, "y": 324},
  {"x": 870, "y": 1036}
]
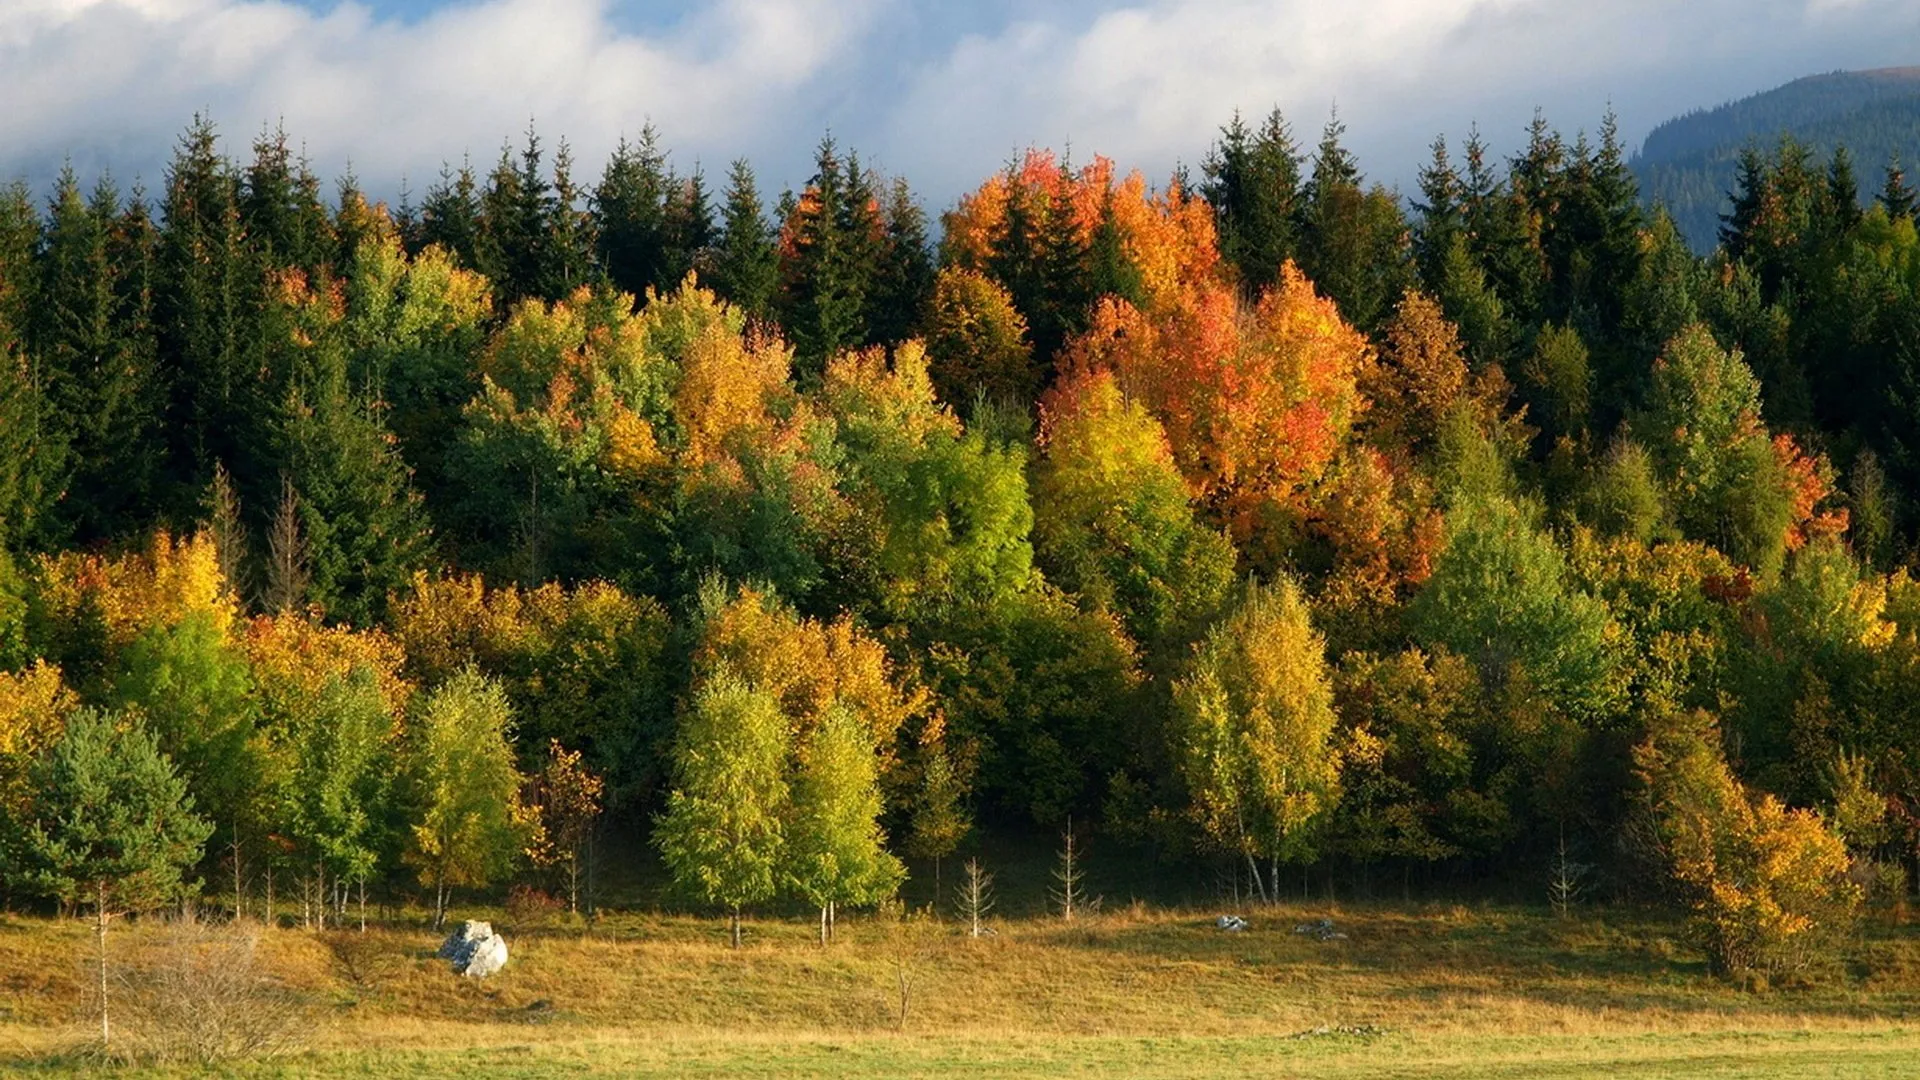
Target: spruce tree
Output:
[
  {"x": 569, "y": 229},
  {"x": 689, "y": 231},
  {"x": 450, "y": 215},
  {"x": 904, "y": 284},
  {"x": 1896, "y": 195},
  {"x": 207, "y": 308},
  {"x": 629, "y": 207},
  {"x": 746, "y": 267},
  {"x": 1252, "y": 181},
  {"x": 823, "y": 280},
  {"x": 364, "y": 526}
]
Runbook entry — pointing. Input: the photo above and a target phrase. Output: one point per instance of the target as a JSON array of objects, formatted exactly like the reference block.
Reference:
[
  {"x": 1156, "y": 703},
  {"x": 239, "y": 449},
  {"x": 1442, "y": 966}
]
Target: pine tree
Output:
[
  {"x": 746, "y": 265},
  {"x": 112, "y": 826}
]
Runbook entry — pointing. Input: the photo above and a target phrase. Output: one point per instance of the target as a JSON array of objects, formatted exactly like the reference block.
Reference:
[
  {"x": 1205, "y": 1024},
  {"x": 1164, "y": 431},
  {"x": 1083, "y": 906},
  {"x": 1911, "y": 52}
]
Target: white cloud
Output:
[{"x": 113, "y": 81}]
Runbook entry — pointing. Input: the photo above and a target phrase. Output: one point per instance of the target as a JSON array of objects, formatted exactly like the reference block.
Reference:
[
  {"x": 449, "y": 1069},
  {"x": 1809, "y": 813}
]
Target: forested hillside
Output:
[
  {"x": 1690, "y": 165},
  {"x": 390, "y": 549}
]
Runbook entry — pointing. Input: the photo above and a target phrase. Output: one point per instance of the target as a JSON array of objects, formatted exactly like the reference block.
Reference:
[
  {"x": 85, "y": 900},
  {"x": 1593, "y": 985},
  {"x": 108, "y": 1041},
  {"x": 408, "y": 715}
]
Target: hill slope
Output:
[{"x": 1688, "y": 164}]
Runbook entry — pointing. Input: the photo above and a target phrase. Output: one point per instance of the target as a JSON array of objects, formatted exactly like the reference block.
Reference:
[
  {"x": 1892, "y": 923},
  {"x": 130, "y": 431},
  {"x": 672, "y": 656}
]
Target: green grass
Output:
[{"x": 1453, "y": 992}]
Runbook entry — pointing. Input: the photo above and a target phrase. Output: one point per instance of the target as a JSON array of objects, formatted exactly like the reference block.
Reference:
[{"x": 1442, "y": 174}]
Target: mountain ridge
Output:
[{"x": 1688, "y": 164}]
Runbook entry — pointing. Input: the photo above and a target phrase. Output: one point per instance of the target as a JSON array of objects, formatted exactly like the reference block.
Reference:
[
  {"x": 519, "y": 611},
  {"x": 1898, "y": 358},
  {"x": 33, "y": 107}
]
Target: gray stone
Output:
[
  {"x": 1320, "y": 930},
  {"x": 1232, "y": 924},
  {"x": 475, "y": 950}
]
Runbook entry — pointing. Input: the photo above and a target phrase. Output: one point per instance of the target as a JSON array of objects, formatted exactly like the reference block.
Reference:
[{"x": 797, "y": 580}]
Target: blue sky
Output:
[{"x": 943, "y": 92}]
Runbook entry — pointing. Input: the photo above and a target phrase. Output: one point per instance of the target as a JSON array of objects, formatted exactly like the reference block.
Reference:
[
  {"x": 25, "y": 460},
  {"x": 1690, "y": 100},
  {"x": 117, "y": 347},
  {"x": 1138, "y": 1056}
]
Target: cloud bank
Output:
[{"x": 942, "y": 93}]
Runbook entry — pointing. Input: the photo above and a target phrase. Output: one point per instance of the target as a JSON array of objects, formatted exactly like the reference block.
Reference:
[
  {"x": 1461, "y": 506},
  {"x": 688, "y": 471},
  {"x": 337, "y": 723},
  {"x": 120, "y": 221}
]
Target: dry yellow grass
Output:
[{"x": 1156, "y": 993}]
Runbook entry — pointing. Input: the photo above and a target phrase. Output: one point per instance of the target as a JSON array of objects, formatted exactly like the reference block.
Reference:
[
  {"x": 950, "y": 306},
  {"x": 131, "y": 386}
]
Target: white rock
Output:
[{"x": 475, "y": 950}]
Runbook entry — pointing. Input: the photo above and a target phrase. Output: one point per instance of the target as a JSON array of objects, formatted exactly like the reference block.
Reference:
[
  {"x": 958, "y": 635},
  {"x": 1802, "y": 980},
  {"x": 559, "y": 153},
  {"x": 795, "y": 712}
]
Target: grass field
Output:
[{"x": 1413, "y": 991}]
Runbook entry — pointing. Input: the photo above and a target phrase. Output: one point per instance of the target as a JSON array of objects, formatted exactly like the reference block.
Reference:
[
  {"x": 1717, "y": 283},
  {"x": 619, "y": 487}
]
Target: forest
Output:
[
  {"x": 1688, "y": 164},
  {"x": 1260, "y": 518}
]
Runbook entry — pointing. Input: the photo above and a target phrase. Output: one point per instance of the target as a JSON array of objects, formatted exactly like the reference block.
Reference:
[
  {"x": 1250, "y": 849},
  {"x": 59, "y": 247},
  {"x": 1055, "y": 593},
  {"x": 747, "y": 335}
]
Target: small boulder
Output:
[
  {"x": 1232, "y": 924},
  {"x": 1320, "y": 930},
  {"x": 475, "y": 950}
]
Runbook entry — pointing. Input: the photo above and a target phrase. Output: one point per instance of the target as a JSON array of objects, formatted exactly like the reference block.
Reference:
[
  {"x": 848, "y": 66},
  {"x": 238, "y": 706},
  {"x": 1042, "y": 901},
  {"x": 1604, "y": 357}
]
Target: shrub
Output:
[
  {"x": 1768, "y": 885},
  {"x": 206, "y": 998}
]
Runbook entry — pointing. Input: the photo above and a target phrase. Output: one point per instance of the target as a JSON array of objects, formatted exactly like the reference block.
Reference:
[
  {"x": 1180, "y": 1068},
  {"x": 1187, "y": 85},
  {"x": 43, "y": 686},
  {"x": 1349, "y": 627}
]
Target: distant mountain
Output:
[{"x": 1689, "y": 163}]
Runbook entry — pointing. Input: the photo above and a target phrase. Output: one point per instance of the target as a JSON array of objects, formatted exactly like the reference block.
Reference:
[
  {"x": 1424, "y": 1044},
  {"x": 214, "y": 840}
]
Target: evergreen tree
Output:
[
  {"x": 1353, "y": 243},
  {"x": 112, "y": 826},
  {"x": 826, "y": 262},
  {"x": 450, "y": 216},
  {"x": 746, "y": 266},
  {"x": 207, "y": 306},
  {"x": 280, "y": 207},
  {"x": 1896, "y": 195},
  {"x": 1252, "y": 181},
  {"x": 630, "y": 216},
  {"x": 32, "y": 444},
  {"x": 570, "y": 239},
  {"x": 690, "y": 230},
  {"x": 365, "y": 528},
  {"x": 903, "y": 286},
  {"x": 1442, "y": 216}
]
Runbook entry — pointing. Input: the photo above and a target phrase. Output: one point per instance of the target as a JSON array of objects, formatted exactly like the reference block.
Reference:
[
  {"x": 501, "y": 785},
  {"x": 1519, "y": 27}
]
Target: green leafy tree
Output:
[
  {"x": 112, "y": 826},
  {"x": 723, "y": 834},
  {"x": 196, "y": 695},
  {"x": 835, "y": 852},
  {"x": 1501, "y": 596},
  {"x": 1253, "y": 728},
  {"x": 468, "y": 824},
  {"x": 333, "y": 761}
]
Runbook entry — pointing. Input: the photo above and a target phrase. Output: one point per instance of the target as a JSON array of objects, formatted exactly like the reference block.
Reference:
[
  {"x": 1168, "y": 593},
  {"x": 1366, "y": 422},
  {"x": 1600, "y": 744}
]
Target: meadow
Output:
[{"x": 1413, "y": 990}]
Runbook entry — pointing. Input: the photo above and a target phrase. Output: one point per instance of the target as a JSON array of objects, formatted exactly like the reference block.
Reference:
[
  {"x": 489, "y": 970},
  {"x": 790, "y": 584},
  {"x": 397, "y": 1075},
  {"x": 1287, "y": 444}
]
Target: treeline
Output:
[
  {"x": 1249, "y": 518},
  {"x": 1690, "y": 165}
]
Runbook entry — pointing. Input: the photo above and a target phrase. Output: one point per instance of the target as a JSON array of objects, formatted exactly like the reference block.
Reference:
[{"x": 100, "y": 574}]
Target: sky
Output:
[{"x": 940, "y": 91}]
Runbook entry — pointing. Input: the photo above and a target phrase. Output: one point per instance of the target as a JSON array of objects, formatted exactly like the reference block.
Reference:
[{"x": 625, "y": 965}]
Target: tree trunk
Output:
[
  {"x": 439, "y": 903},
  {"x": 735, "y": 925},
  {"x": 833, "y": 919},
  {"x": 239, "y": 908},
  {"x": 363, "y": 905},
  {"x": 573, "y": 882},
  {"x": 100, "y": 931},
  {"x": 823, "y": 925},
  {"x": 269, "y": 912},
  {"x": 1259, "y": 886},
  {"x": 1273, "y": 878}
]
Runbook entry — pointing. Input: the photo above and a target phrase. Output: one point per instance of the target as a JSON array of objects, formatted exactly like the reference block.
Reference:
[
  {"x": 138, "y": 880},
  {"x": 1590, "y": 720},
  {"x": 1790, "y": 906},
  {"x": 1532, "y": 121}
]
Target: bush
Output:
[
  {"x": 204, "y": 998},
  {"x": 528, "y": 906},
  {"x": 1768, "y": 885}
]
